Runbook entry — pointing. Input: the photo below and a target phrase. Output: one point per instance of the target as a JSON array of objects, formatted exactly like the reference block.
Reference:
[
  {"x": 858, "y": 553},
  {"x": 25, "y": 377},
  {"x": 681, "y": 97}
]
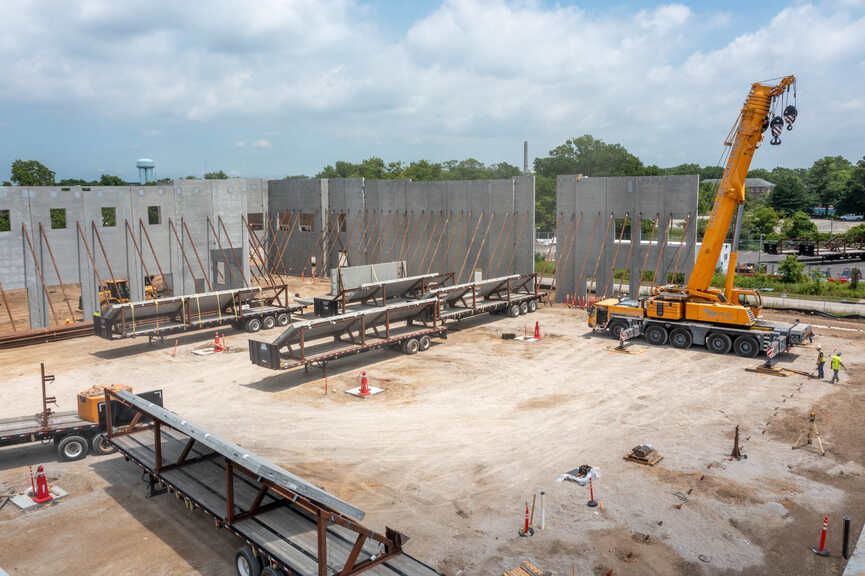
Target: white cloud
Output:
[{"x": 468, "y": 75}]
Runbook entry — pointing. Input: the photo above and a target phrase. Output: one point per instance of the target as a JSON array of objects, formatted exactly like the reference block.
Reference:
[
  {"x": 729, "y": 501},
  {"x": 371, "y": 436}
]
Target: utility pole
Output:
[{"x": 525, "y": 156}]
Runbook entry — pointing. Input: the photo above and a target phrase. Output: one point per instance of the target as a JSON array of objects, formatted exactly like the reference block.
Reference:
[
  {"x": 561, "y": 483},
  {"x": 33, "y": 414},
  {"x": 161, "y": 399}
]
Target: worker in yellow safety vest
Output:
[
  {"x": 821, "y": 360},
  {"x": 836, "y": 364}
]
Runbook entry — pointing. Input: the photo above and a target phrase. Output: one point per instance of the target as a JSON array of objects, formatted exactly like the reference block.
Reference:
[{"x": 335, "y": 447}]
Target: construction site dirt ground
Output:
[{"x": 462, "y": 437}]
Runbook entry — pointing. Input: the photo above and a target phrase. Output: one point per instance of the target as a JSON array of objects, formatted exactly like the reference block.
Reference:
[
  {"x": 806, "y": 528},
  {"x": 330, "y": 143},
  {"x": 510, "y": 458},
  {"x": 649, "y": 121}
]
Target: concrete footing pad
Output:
[{"x": 373, "y": 390}]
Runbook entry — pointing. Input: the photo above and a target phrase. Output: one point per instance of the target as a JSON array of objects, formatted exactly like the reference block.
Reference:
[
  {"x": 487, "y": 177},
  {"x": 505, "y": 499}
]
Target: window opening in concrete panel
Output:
[
  {"x": 307, "y": 222},
  {"x": 627, "y": 233},
  {"x": 256, "y": 220},
  {"x": 58, "y": 218},
  {"x": 285, "y": 220},
  {"x": 5, "y": 221},
  {"x": 109, "y": 216},
  {"x": 154, "y": 215}
]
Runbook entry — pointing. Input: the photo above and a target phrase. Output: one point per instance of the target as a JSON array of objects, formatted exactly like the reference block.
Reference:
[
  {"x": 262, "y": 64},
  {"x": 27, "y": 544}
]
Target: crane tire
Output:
[
  {"x": 656, "y": 335},
  {"x": 681, "y": 338},
  {"x": 718, "y": 342},
  {"x": 746, "y": 346}
]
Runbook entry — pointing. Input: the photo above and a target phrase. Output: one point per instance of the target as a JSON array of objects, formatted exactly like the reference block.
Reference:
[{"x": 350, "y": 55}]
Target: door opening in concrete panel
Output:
[
  {"x": 5, "y": 221},
  {"x": 307, "y": 222},
  {"x": 154, "y": 215},
  {"x": 109, "y": 216},
  {"x": 256, "y": 220},
  {"x": 58, "y": 218}
]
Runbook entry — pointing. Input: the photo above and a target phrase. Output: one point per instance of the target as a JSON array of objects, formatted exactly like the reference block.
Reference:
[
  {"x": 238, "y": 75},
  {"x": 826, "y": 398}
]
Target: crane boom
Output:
[{"x": 752, "y": 122}]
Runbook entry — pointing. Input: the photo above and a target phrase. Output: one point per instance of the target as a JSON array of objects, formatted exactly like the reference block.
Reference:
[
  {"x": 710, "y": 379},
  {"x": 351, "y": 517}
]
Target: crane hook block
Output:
[
  {"x": 790, "y": 114},
  {"x": 777, "y": 124}
]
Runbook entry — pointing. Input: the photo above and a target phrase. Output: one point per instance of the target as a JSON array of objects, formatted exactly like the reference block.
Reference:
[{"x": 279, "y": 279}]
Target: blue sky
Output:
[{"x": 285, "y": 87}]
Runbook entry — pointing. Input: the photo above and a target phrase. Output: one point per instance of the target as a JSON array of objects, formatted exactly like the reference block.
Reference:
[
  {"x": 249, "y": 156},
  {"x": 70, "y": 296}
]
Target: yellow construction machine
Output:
[{"x": 697, "y": 313}]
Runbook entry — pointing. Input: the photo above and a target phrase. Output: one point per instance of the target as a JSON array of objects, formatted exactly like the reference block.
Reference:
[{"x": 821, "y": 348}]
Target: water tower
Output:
[{"x": 145, "y": 170}]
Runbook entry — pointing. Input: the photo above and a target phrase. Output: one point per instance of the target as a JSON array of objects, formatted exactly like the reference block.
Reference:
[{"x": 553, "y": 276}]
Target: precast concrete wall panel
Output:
[{"x": 587, "y": 236}]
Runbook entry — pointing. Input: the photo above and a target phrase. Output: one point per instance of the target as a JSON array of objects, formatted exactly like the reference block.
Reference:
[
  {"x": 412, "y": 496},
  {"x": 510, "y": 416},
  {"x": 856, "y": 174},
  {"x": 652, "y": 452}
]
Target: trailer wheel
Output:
[
  {"x": 283, "y": 319},
  {"x": 746, "y": 346},
  {"x": 616, "y": 327},
  {"x": 253, "y": 325},
  {"x": 681, "y": 338},
  {"x": 656, "y": 335},
  {"x": 424, "y": 342},
  {"x": 514, "y": 310},
  {"x": 524, "y": 307},
  {"x": 246, "y": 564},
  {"x": 533, "y": 305},
  {"x": 411, "y": 346},
  {"x": 268, "y": 322},
  {"x": 72, "y": 448},
  {"x": 101, "y": 446},
  {"x": 718, "y": 342}
]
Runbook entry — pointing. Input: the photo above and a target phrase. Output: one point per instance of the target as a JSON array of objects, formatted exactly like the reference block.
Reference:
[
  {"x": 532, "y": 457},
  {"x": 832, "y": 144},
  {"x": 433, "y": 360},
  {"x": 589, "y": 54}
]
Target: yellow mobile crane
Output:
[{"x": 697, "y": 313}]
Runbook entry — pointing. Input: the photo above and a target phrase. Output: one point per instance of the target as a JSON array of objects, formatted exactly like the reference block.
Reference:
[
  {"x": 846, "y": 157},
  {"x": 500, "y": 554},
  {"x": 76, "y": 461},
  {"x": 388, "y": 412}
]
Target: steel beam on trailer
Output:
[
  {"x": 39, "y": 273},
  {"x": 56, "y": 270}
]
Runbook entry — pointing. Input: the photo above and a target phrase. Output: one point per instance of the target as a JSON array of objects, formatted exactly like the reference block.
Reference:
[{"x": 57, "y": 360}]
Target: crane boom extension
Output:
[{"x": 752, "y": 122}]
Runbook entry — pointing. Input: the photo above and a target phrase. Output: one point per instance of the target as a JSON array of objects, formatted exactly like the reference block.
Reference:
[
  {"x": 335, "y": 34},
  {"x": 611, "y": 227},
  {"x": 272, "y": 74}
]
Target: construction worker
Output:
[
  {"x": 821, "y": 360},
  {"x": 836, "y": 365}
]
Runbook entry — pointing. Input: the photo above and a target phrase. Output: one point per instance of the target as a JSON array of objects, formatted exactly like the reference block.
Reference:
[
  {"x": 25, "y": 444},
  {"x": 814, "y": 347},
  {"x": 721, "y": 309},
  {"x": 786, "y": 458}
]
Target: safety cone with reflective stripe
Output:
[
  {"x": 822, "y": 550},
  {"x": 364, "y": 385}
]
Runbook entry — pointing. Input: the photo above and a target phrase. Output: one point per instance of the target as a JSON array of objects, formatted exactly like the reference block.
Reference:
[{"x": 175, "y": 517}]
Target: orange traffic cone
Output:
[
  {"x": 364, "y": 385},
  {"x": 42, "y": 494},
  {"x": 537, "y": 331},
  {"x": 217, "y": 345}
]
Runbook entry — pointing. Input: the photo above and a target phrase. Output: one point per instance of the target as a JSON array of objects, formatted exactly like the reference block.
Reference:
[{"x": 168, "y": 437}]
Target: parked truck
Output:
[{"x": 73, "y": 433}]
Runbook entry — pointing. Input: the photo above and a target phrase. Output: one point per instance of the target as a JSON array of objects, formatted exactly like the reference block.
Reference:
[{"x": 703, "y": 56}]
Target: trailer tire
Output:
[
  {"x": 283, "y": 319},
  {"x": 681, "y": 338},
  {"x": 253, "y": 325},
  {"x": 72, "y": 448},
  {"x": 656, "y": 335},
  {"x": 424, "y": 342},
  {"x": 411, "y": 346},
  {"x": 616, "y": 327},
  {"x": 100, "y": 445},
  {"x": 246, "y": 564},
  {"x": 268, "y": 322},
  {"x": 524, "y": 307},
  {"x": 514, "y": 310},
  {"x": 718, "y": 342},
  {"x": 533, "y": 305},
  {"x": 746, "y": 346}
]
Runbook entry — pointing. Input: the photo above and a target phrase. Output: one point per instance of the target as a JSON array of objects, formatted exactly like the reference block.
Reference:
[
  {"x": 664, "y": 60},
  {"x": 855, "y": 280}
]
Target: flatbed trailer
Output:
[
  {"x": 71, "y": 435},
  {"x": 512, "y": 295},
  {"x": 409, "y": 325},
  {"x": 249, "y": 309},
  {"x": 287, "y": 525}
]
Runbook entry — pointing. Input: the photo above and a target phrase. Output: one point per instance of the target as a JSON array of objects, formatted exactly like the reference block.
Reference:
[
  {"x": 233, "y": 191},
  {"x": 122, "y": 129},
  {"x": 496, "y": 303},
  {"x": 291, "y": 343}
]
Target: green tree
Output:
[
  {"x": 545, "y": 203},
  {"x": 827, "y": 179},
  {"x": 799, "y": 225},
  {"x": 590, "y": 157},
  {"x": 761, "y": 220},
  {"x": 423, "y": 170},
  {"x": 706, "y": 198},
  {"x": 853, "y": 199},
  {"x": 31, "y": 173},
  {"x": 218, "y": 175},
  {"x": 75, "y": 182},
  {"x": 789, "y": 194},
  {"x": 110, "y": 180},
  {"x": 791, "y": 270},
  {"x": 855, "y": 275}
]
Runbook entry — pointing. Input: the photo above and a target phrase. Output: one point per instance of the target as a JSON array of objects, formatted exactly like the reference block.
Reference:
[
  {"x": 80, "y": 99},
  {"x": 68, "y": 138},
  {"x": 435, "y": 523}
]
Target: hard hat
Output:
[{"x": 819, "y": 347}]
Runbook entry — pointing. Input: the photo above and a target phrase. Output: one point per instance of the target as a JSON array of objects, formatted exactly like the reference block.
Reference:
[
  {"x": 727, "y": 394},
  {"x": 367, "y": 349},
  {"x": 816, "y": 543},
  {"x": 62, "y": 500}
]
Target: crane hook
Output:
[
  {"x": 790, "y": 114},
  {"x": 777, "y": 124}
]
